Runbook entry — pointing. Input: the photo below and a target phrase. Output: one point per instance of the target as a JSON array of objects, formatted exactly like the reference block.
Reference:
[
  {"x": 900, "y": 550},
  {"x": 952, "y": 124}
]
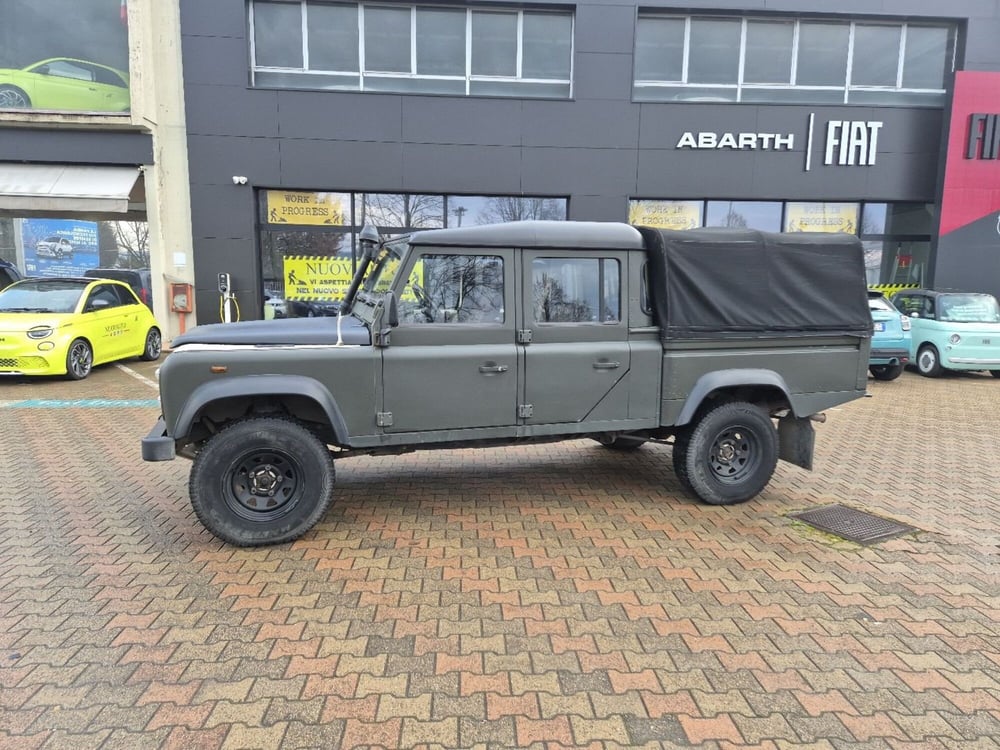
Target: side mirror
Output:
[{"x": 393, "y": 309}]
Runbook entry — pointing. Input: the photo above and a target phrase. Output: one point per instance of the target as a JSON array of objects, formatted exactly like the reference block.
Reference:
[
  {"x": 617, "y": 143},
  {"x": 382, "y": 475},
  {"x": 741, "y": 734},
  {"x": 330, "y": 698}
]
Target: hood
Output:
[
  {"x": 280, "y": 331},
  {"x": 19, "y": 322}
]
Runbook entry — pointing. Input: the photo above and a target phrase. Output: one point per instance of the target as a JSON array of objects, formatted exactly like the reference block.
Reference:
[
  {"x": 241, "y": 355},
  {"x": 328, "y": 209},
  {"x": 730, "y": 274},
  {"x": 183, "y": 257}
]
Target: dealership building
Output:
[{"x": 263, "y": 134}]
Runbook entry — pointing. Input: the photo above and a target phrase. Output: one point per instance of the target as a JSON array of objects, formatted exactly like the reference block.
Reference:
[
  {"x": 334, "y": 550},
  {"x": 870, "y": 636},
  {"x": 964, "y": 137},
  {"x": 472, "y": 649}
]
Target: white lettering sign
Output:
[
  {"x": 851, "y": 142},
  {"x": 737, "y": 141}
]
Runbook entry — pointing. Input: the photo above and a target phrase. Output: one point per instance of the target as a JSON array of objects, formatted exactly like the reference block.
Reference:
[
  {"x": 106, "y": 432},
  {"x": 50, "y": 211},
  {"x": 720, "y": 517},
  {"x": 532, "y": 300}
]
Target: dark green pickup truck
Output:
[{"x": 725, "y": 344}]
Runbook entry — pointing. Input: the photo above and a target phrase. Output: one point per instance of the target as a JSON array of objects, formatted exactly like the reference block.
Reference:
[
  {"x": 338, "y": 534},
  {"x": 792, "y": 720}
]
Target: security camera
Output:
[
  {"x": 239, "y": 180},
  {"x": 236, "y": 180}
]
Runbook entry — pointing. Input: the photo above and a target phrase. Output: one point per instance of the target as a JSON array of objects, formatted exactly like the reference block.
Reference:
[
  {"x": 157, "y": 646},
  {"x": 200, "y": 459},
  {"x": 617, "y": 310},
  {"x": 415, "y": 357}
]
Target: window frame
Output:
[
  {"x": 363, "y": 76},
  {"x": 738, "y": 91}
]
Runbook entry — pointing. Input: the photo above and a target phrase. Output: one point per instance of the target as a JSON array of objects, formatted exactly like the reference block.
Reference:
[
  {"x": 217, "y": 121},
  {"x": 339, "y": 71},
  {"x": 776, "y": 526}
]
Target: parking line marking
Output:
[
  {"x": 87, "y": 403},
  {"x": 129, "y": 371}
]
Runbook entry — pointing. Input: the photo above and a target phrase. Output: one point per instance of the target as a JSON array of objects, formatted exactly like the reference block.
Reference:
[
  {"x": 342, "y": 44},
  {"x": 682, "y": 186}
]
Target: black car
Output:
[
  {"x": 138, "y": 278},
  {"x": 8, "y": 274}
]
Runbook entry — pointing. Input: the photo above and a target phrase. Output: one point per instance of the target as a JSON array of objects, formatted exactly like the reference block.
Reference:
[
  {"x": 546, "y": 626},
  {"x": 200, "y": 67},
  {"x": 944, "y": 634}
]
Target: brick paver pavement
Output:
[{"x": 547, "y": 596}]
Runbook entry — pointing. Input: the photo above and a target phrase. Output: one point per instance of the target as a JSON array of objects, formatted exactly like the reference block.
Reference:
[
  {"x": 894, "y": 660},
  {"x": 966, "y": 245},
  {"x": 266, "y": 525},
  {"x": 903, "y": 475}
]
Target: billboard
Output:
[
  {"x": 59, "y": 247},
  {"x": 64, "y": 55}
]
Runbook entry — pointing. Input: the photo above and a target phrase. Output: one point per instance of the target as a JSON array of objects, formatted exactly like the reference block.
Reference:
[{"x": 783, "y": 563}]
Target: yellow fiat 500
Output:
[{"x": 66, "y": 326}]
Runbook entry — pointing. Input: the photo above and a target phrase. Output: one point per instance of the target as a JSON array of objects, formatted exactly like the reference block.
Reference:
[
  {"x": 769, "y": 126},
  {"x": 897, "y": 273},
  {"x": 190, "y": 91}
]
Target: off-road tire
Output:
[
  {"x": 929, "y": 361},
  {"x": 729, "y": 455},
  {"x": 234, "y": 471},
  {"x": 886, "y": 372},
  {"x": 79, "y": 360},
  {"x": 154, "y": 345},
  {"x": 682, "y": 442}
]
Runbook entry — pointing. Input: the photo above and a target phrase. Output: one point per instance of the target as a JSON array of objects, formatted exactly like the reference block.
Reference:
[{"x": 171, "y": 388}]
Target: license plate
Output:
[{"x": 880, "y": 326}]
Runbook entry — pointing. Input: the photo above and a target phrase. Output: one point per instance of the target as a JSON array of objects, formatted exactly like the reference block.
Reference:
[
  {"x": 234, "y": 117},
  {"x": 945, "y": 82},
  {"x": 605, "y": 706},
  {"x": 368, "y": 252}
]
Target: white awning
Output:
[{"x": 32, "y": 188}]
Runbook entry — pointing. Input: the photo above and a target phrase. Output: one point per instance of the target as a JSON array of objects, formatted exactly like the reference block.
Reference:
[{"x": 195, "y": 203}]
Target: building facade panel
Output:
[
  {"x": 443, "y": 120},
  {"x": 851, "y": 148}
]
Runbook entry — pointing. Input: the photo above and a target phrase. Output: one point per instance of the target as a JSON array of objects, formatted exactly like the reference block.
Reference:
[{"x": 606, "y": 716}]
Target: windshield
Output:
[
  {"x": 969, "y": 308},
  {"x": 880, "y": 304},
  {"x": 383, "y": 271},
  {"x": 47, "y": 296}
]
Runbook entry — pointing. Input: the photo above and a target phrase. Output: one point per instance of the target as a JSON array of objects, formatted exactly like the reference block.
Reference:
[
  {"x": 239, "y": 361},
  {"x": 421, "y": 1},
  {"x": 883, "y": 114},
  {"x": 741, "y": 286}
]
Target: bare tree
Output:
[
  {"x": 402, "y": 211},
  {"x": 132, "y": 239},
  {"x": 512, "y": 208}
]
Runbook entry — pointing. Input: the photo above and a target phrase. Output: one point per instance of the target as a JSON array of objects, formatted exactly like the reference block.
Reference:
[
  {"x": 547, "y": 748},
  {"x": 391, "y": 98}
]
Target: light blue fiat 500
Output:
[{"x": 952, "y": 330}]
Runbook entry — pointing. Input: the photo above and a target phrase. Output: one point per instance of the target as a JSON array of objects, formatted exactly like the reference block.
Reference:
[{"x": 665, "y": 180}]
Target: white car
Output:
[
  {"x": 277, "y": 307},
  {"x": 53, "y": 247}
]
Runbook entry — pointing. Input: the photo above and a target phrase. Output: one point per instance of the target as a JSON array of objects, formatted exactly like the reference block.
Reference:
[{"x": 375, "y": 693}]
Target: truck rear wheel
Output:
[
  {"x": 729, "y": 456},
  {"x": 264, "y": 480}
]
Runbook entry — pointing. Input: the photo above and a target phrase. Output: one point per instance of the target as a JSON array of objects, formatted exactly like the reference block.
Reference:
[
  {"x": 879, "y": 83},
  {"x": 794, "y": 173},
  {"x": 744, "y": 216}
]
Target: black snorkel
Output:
[{"x": 369, "y": 244}]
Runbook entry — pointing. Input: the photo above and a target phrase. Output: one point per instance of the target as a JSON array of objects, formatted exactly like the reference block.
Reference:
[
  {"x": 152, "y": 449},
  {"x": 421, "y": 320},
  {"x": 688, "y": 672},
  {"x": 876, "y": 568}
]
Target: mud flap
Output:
[{"x": 796, "y": 441}]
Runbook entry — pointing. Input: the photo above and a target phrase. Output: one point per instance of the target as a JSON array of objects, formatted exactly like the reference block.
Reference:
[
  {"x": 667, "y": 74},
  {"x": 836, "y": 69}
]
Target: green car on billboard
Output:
[{"x": 65, "y": 83}]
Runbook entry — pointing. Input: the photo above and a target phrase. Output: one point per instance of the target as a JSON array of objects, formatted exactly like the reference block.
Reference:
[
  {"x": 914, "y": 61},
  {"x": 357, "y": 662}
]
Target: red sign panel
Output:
[{"x": 972, "y": 171}]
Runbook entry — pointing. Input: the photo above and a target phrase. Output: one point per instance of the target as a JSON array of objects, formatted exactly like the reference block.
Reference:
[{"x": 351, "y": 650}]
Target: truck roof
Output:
[{"x": 554, "y": 234}]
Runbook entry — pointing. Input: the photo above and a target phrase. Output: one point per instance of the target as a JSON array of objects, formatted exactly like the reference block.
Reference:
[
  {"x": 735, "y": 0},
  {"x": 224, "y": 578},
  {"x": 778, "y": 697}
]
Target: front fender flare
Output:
[
  {"x": 248, "y": 386},
  {"x": 713, "y": 381}
]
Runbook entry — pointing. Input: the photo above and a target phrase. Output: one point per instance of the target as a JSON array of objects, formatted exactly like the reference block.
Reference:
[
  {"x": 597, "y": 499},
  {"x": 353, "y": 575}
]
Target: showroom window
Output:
[
  {"x": 309, "y": 240},
  {"x": 896, "y": 236},
  {"x": 309, "y": 44},
  {"x": 816, "y": 61},
  {"x": 65, "y": 56}
]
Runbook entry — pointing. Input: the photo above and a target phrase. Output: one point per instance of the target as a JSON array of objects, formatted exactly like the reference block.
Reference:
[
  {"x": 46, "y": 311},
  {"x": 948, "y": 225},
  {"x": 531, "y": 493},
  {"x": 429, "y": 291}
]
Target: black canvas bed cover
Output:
[{"x": 738, "y": 283}]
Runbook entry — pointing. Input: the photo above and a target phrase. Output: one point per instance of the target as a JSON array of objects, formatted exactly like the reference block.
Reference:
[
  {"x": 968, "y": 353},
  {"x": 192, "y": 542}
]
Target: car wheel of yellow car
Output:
[
  {"x": 11, "y": 97},
  {"x": 79, "y": 360},
  {"x": 154, "y": 345}
]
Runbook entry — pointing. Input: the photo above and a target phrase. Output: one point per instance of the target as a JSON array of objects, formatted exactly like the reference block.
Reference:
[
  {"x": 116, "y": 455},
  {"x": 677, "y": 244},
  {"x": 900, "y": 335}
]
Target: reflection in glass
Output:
[
  {"x": 387, "y": 39},
  {"x": 714, "y": 51},
  {"x": 764, "y": 216},
  {"x": 659, "y": 49},
  {"x": 545, "y": 45},
  {"x": 454, "y": 289},
  {"x": 925, "y": 60},
  {"x": 465, "y": 210},
  {"x": 494, "y": 43},
  {"x": 441, "y": 41},
  {"x": 822, "y": 59},
  {"x": 768, "y": 52},
  {"x": 876, "y": 55},
  {"x": 333, "y": 37},
  {"x": 277, "y": 35},
  {"x": 401, "y": 211},
  {"x": 575, "y": 290}
]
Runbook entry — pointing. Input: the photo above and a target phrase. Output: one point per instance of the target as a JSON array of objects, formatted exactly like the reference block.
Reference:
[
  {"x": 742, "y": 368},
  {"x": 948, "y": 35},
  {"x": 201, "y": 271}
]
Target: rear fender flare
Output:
[
  {"x": 721, "y": 379},
  {"x": 250, "y": 386}
]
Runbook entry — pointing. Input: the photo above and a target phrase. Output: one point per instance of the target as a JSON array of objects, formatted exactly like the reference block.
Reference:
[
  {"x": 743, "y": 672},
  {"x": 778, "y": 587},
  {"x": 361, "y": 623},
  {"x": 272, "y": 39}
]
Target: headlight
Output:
[
  {"x": 954, "y": 339},
  {"x": 904, "y": 321},
  {"x": 40, "y": 332}
]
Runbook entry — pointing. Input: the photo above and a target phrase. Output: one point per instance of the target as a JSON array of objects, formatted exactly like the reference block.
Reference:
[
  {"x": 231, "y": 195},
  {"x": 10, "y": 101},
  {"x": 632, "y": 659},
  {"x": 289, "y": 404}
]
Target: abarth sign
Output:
[{"x": 847, "y": 143}]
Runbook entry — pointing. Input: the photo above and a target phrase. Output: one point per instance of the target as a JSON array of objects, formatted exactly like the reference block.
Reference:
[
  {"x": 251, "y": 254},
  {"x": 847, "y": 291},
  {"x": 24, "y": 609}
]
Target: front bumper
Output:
[{"x": 157, "y": 446}]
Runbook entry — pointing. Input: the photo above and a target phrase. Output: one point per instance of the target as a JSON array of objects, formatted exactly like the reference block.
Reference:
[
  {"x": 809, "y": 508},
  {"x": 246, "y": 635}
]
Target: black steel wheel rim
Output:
[
  {"x": 263, "y": 485},
  {"x": 734, "y": 455}
]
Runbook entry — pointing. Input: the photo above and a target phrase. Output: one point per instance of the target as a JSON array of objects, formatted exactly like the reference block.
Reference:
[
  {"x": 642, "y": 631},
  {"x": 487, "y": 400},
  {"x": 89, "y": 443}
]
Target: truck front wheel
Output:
[
  {"x": 729, "y": 456},
  {"x": 264, "y": 480}
]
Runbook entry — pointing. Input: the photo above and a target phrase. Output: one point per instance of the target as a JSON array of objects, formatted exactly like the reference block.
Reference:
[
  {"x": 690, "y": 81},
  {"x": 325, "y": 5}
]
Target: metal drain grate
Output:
[{"x": 853, "y": 525}]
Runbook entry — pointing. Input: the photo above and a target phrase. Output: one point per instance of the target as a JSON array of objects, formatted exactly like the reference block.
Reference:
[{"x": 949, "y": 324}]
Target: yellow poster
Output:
[
  {"x": 310, "y": 278},
  {"x": 665, "y": 214},
  {"x": 821, "y": 217},
  {"x": 318, "y": 209}
]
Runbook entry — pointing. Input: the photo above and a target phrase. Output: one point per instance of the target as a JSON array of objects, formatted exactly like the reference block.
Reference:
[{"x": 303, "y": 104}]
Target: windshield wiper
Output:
[{"x": 26, "y": 309}]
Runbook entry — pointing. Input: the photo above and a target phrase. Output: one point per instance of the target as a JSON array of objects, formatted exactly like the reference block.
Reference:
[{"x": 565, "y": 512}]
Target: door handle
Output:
[
  {"x": 607, "y": 365},
  {"x": 491, "y": 368}
]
